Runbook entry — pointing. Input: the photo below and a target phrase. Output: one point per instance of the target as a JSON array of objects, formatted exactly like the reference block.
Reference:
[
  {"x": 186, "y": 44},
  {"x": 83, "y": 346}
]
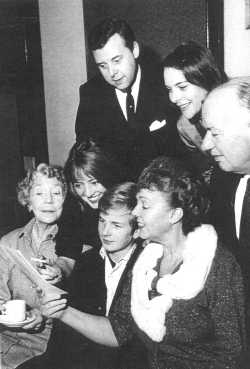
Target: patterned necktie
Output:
[
  {"x": 245, "y": 219},
  {"x": 130, "y": 107}
]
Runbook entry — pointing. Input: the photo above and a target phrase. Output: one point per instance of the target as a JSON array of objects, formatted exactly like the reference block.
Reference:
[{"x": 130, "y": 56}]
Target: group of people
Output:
[{"x": 146, "y": 226}]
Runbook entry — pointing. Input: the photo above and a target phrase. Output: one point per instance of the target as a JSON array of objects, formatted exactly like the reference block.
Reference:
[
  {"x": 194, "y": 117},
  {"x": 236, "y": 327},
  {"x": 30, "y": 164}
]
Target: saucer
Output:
[{"x": 8, "y": 323}]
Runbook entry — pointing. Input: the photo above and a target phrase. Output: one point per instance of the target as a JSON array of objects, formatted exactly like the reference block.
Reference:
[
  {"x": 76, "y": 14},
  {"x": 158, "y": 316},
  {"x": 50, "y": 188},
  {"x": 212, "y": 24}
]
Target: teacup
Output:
[{"x": 14, "y": 310}]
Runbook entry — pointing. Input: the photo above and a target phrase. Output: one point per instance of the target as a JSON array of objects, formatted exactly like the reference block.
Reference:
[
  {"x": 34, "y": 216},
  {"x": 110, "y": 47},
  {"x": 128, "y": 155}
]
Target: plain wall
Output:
[
  {"x": 236, "y": 39},
  {"x": 160, "y": 25},
  {"x": 64, "y": 70}
]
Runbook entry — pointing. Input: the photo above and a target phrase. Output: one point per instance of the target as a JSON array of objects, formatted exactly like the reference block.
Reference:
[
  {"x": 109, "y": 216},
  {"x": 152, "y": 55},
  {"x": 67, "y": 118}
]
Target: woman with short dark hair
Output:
[{"x": 187, "y": 291}]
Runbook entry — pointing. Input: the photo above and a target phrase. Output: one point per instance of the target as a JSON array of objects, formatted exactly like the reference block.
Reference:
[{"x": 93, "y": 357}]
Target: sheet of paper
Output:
[{"x": 31, "y": 272}]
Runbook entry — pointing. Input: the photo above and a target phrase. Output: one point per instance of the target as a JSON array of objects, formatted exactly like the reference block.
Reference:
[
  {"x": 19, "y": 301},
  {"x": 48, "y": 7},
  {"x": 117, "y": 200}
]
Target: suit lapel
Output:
[
  {"x": 143, "y": 98},
  {"x": 112, "y": 101}
]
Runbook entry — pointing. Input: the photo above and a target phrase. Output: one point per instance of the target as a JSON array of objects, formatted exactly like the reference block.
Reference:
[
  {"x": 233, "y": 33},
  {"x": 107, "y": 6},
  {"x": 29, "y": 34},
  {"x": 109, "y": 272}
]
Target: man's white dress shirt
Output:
[
  {"x": 114, "y": 273},
  {"x": 121, "y": 96},
  {"x": 238, "y": 203}
]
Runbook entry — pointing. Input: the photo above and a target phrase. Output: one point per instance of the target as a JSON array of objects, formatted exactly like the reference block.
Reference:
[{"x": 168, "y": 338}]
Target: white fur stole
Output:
[{"x": 186, "y": 283}]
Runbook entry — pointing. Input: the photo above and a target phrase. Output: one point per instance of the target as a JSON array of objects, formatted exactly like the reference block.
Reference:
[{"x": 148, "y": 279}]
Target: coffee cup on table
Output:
[{"x": 14, "y": 310}]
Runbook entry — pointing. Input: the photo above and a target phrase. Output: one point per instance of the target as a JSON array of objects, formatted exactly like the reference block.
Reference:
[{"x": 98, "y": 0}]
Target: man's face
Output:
[
  {"x": 228, "y": 130},
  {"x": 116, "y": 62},
  {"x": 116, "y": 231}
]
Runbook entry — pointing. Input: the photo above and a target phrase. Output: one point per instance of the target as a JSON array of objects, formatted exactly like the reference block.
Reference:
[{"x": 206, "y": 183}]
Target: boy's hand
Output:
[{"x": 52, "y": 305}]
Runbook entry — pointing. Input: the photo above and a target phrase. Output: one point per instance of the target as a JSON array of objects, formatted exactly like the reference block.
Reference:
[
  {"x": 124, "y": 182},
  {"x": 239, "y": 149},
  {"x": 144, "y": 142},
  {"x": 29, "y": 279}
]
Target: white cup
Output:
[{"x": 15, "y": 310}]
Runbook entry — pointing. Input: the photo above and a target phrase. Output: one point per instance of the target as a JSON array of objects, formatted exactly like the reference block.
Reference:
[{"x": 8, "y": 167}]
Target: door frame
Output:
[{"x": 215, "y": 29}]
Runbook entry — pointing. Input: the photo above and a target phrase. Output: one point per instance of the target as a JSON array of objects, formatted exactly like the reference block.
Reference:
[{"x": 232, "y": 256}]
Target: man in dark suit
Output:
[
  {"x": 226, "y": 117},
  {"x": 125, "y": 108}
]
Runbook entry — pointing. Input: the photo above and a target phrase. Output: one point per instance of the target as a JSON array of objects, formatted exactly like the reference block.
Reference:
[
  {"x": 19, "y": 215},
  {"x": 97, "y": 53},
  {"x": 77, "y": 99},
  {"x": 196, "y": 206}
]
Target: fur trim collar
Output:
[{"x": 186, "y": 283}]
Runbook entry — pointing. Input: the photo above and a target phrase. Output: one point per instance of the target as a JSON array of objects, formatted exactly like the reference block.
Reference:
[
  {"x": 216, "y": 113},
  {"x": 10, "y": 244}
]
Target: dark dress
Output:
[
  {"x": 78, "y": 226},
  {"x": 206, "y": 332}
]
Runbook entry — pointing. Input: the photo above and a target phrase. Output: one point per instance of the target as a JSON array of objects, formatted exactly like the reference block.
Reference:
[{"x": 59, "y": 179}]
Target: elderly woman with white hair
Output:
[{"x": 43, "y": 191}]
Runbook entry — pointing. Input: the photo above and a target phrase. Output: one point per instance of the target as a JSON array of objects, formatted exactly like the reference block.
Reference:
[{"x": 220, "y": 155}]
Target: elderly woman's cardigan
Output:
[{"x": 19, "y": 346}]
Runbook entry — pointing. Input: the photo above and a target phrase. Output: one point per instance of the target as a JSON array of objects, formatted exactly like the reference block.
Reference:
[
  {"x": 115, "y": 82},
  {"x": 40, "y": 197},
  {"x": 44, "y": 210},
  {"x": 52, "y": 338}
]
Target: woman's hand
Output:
[
  {"x": 35, "y": 321},
  {"x": 51, "y": 273},
  {"x": 53, "y": 305}
]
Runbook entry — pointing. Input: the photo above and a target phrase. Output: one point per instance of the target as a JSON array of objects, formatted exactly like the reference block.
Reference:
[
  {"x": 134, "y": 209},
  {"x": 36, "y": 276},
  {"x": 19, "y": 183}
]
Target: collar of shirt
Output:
[
  {"x": 125, "y": 258},
  {"x": 28, "y": 229},
  {"x": 31, "y": 248},
  {"x": 121, "y": 96},
  {"x": 238, "y": 203},
  {"x": 113, "y": 274}
]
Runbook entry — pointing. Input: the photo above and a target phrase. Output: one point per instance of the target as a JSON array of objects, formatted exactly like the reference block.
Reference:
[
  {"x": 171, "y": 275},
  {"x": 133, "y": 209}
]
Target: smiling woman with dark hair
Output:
[
  {"x": 190, "y": 72},
  {"x": 89, "y": 171},
  {"x": 187, "y": 291}
]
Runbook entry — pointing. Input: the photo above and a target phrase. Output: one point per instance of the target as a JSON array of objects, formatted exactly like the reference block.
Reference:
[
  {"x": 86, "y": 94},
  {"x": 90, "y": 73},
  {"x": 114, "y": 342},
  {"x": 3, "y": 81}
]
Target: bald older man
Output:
[{"x": 226, "y": 117}]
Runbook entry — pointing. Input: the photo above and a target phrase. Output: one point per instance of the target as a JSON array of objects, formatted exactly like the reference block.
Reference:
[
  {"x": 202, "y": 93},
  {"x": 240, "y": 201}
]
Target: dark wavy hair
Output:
[
  {"x": 50, "y": 171},
  {"x": 88, "y": 157},
  {"x": 197, "y": 64},
  {"x": 120, "y": 196},
  {"x": 182, "y": 189},
  {"x": 102, "y": 32}
]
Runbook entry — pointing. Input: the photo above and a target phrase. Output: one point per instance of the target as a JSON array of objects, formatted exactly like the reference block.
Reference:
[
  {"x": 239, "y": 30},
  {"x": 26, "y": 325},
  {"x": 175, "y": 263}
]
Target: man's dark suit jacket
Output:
[
  {"x": 224, "y": 188},
  {"x": 100, "y": 116},
  {"x": 223, "y": 218}
]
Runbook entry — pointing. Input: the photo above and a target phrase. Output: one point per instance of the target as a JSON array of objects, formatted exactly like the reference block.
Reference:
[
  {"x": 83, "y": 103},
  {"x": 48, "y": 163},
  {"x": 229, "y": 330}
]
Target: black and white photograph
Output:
[{"x": 124, "y": 184}]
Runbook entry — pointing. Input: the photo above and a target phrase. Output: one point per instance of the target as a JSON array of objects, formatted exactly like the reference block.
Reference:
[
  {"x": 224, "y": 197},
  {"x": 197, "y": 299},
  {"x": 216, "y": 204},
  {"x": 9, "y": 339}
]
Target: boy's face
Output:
[{"x": 116, "y": 231}]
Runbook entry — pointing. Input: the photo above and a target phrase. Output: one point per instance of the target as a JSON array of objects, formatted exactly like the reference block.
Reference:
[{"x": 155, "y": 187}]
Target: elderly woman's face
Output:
[
  {"x": 88, "y": 189},
  {"x": 46, "y": 199},
  {"x": 152, "y": 212}
]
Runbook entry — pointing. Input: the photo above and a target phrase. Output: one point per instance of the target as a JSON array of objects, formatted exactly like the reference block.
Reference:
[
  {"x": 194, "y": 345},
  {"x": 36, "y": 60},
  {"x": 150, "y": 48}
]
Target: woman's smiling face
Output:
[
  {"x": 187, "y": 96},
  {"x": 152, "y": 212},
  {"x": 88, "y": 189}
]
